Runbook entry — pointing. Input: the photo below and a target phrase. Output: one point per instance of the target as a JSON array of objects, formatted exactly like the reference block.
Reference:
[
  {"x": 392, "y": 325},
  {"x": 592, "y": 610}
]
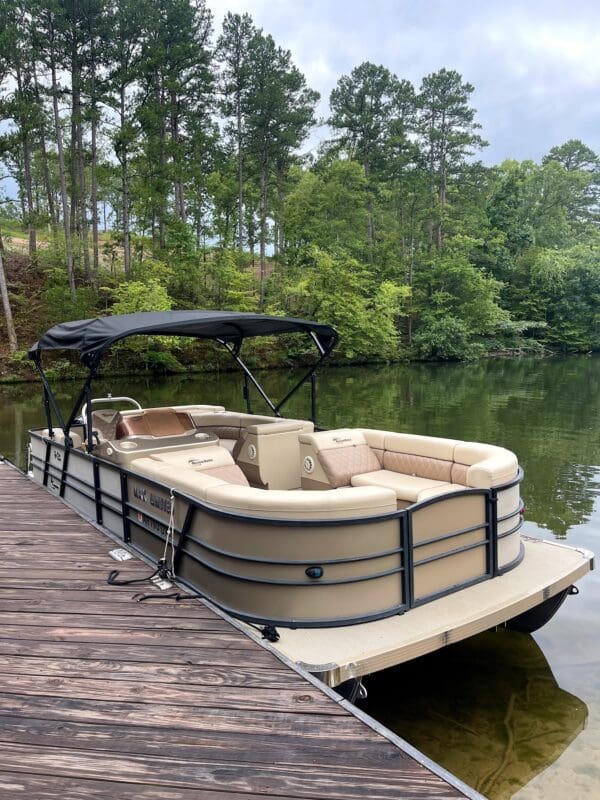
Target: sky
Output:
[{"x": 535, "y": 64}]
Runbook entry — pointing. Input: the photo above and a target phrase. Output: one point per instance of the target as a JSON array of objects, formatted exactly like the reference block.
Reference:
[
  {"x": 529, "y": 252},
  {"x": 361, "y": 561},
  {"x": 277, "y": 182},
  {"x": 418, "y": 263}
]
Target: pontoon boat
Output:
[{"x": 352, "y": 549}]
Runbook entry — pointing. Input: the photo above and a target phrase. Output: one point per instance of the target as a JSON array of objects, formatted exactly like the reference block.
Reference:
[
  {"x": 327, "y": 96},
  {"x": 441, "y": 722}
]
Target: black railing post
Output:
[
  {"x": 125, "y": 508},
  {"x": 491, "y": 508},
  {"x": 407, "y": 558},
  {"x": 185, "y": 529},
  {"x": 97, "y": 492}
]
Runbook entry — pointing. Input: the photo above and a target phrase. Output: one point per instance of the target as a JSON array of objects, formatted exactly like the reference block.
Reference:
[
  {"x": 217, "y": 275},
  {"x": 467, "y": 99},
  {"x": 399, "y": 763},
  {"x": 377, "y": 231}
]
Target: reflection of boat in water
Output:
[
  {"x": 488, "y": 709},
  {"x": 364, "y": 548}
]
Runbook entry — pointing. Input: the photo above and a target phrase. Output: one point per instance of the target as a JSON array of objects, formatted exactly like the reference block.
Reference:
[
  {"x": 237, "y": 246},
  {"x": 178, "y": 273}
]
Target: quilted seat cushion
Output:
[
  {"x": 341, "y": 463},
  {"x": 421, "y": 466},
  {"x": 409, "y": 488}
]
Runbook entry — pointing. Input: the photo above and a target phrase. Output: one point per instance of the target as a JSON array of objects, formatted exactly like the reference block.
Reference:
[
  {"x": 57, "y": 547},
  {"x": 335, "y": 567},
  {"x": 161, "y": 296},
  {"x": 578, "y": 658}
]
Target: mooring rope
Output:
[{"x": 170, "y": 537}]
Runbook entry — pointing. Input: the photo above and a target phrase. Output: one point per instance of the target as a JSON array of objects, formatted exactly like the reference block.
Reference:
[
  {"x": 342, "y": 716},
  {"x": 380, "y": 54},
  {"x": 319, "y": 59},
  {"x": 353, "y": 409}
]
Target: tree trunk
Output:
[
  {"x": 78, "y": 214},
  {"x": 52, "y": 213},
  {"x": 159, "y": 99},
  {"x": 263, "y": 235},
  {"x": 281, "y": 215},
  {"x": 62, "y": 176},
  {"x": 82, "y": 200},
  {"x": 240, "y": 177},
  {"x": 10, "y": 324},
  {"x": 370, "y": 223},
  {"x": 94, "y": 170},
  {"x": 27, "y": 179},
  {"x": 178, "y": 183},
  {"x": 124, "y": 185},
  {"x": 442, "y": 201}
]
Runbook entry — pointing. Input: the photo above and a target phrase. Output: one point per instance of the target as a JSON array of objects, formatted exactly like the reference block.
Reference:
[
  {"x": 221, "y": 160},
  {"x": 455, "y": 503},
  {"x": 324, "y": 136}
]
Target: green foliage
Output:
[
  {"x": 324, "y": 287},
  {"x": 458, "y": 309},
  {"x": 229, "y": 285},
  {"x": 59, "y": 305},
  {"x": 147, "y": 295},
  {"x": 187, "y": 145}
]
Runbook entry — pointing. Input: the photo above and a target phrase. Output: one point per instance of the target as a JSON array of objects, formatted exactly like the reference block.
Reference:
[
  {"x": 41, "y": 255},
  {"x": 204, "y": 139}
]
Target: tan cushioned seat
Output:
[
  {"x": 280, "y": 426},
  {"x": 105, "y": 422},
  {"x": 198, "y": 408},
  {"x": 194, "y": 483},
  {"x": 155, "y": 422},
  {"x": 484, "y": 465},
  {"x": 407, "y": 487},
  {"x": 285, "y": 504},
  {"x": 342, "y": 454},
  {"x": 192, "y": 471},
  {"x": 423, "y": 456},
  {"x": 59, "y": 436}
]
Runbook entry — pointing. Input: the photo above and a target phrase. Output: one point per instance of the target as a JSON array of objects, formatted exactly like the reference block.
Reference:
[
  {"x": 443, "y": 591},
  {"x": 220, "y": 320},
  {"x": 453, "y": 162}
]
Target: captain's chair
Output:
[{"x": 155, "y": 422}]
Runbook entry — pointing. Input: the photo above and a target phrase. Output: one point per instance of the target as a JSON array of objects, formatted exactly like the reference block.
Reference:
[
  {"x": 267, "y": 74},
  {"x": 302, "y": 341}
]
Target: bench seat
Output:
[{"x": 408, "y": 488}]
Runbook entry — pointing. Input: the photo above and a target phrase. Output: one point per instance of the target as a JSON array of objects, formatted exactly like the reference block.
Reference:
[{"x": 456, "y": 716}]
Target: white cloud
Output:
[{"x": 535, "y": 66}]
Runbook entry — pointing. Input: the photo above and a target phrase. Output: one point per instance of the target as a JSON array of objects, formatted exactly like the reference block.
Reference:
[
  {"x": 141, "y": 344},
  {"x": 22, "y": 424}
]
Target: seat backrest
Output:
[
  {"x": 212, "y": 460},
  {"x": 154, "y": 422},
  {"x": 105, "y": 422},
  {"x": 423, "y": 456},
  {"x": 330, "y": 459}
]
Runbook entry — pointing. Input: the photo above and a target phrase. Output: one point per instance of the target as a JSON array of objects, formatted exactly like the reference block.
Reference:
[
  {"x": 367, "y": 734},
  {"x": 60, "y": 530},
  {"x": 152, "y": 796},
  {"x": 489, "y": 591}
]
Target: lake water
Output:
[{"x": 512, "y": 715}]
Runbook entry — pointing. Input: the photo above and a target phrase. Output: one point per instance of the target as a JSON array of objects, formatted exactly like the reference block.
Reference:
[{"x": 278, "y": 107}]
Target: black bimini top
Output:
[{"x": 91, "y": 337}]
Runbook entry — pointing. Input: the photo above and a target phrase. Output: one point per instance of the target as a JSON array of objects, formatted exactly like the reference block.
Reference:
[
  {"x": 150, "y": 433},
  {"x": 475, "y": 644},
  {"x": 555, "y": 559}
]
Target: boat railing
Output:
[{"x": 110, "y": 500}]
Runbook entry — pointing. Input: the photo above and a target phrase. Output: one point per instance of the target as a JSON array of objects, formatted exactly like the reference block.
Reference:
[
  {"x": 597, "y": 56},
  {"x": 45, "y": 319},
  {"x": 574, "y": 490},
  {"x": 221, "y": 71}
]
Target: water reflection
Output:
[{"x": 488, "y": 709}]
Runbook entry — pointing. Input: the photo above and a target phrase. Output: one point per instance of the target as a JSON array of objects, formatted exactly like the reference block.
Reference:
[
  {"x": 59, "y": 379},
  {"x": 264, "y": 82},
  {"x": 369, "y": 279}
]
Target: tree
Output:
[
  {"x": 48, "y": 33},
  {"x": 447, "y": 129},
  {"x": 10, "y": 323},
  {"x": 124, "y": 57},
  {"x": 233, "y": 50},
  {"x": 19, "y": 105},
  {"x": 364, "y": 106},
  {"x": 280, "y": 114}
]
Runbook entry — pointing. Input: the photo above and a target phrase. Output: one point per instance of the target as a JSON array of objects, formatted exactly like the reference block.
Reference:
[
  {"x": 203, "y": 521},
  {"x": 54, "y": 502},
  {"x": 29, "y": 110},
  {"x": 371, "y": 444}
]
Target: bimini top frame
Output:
[{"x": 92, "y": 337}]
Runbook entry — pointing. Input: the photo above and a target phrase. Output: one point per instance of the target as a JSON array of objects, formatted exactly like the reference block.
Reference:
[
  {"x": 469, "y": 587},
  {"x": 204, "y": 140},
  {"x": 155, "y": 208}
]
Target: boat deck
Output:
[
  {"x": 338, "y": 654},
  {"x": 102, "y": 697}
]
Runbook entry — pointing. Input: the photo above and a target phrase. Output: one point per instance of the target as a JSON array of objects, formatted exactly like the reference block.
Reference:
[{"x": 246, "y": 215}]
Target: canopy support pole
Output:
[
  {"x": 234, "y": 353},
  {"x": 84, "y": 394},
  {"x": 247, "y": 395},
  {"x": 49, "y": 400},
  {"x": 313, "y": 381}
]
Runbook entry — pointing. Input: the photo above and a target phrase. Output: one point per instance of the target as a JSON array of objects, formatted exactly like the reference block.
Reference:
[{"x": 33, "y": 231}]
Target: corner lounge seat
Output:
[
  {"x": 414, "y": 467},
  {"x": 347, "y": 502},
  {"x": 193, "y": 471},
  {"x": 210, "y": 474}
]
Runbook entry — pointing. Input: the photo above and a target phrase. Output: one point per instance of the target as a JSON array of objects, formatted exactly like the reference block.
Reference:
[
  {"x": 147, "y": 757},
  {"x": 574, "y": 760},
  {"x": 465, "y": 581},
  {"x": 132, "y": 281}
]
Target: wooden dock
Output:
[{"x": 104, "y": 698}]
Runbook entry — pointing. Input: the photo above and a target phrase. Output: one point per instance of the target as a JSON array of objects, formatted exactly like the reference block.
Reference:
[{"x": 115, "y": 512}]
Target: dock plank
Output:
[{"x": 103, "y": 697}]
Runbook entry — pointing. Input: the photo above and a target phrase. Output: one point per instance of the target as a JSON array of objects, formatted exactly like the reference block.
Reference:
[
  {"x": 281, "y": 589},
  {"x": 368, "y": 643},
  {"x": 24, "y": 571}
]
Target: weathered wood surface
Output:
[{"x": 102, "y": 697}]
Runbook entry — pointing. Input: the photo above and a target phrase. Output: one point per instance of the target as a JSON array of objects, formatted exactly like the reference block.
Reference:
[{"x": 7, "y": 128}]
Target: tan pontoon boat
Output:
[{"x": 352, "y": 549}]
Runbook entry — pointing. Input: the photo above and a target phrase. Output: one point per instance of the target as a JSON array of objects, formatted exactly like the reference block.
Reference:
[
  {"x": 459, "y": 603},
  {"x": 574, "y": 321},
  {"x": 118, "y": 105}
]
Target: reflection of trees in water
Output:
[
  {"x": 488, "y": 709},
  {"x": 546, "y": 411}
]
